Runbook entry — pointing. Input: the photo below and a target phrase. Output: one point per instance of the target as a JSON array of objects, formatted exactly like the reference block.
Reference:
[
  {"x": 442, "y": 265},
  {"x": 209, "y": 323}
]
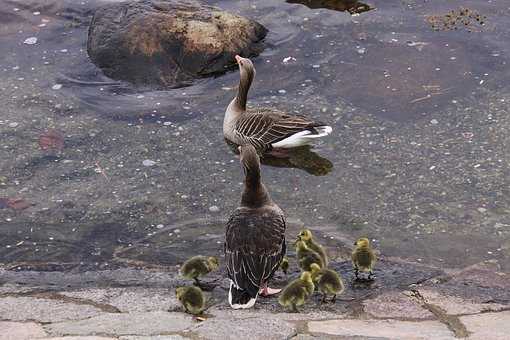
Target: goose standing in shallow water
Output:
[
  {"x": 255, "y": 237},
  {"x": 268, "y": 128}
]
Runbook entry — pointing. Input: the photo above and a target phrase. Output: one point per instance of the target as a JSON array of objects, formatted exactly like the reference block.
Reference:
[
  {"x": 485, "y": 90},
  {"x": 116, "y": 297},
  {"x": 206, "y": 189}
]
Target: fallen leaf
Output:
[
  {"x": 17, "y": 203},
  {"x": 51, "y": 139}
]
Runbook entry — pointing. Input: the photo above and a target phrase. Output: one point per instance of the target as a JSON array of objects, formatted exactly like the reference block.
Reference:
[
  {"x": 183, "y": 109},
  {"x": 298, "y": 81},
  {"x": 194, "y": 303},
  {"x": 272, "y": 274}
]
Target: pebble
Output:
[
  {"x": 30, "y": 41},
  {"x": 160, "y": 226},
  {"x": 13, "y": 124},
  {"x": 361, "y": 50},
  {"x": 282, "y": 91},
  {"x": 434, "y": 122},
  {"x": 214, "y": 208},
  {"x": 57, "y": 87},
  {"x": 482, "y": 210},
  {"x": 148, "y": 162}
]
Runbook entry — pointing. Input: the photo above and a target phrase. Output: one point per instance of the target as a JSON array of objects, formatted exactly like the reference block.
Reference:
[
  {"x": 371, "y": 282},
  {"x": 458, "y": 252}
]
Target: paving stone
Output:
[
  {"x": 43, "y": 310},
  {"x": 20, "y": 330},
  {"x": 81, "y": 338},
  {"x": 334, "y": 337},
  {"x": 456, "y": 305},
  {"x": 481, "y": 283},
  {"x": 493, "y": 326},
  {"x": 130, "y": 299},
  {"x": 149, "y": 323},
  {"x": 154, "y": 337},
  {"x": 393, "y": 329},
  {"x": 255, "y": 328},
  {"x": 395, "y": 305}
]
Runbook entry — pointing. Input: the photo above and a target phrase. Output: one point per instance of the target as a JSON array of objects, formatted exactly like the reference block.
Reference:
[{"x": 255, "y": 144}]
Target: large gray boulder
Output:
[{"x": 169, "y": 43}]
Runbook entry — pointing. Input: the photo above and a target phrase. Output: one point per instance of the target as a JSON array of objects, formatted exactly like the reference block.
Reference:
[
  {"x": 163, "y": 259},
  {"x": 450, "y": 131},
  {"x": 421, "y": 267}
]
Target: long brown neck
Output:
[
  {"x": 244, "y": 85},
  {"x": 255, "y": 193}
]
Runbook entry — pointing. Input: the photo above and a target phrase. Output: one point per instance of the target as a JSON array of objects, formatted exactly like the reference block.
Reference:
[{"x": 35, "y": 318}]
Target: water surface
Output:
[{"x": 419, "y": 150}]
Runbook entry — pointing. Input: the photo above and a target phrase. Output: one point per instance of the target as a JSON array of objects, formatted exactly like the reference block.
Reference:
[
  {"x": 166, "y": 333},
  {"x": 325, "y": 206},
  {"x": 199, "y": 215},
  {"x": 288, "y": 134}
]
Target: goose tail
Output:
[
  {"x": 239, "y": 298},
  {"x": 304, "y": 137}
]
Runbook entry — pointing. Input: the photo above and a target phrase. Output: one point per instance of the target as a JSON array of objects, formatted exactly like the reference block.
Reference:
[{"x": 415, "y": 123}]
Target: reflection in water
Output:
[
  {"x": 300, "y": 158},
  {"x": 351, "y": 6}
]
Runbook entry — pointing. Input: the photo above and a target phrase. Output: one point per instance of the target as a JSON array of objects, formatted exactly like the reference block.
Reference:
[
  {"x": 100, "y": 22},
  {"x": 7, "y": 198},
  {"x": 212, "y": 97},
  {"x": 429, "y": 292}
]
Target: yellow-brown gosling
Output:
[
  {"x": 191, "y": 298},
  {"x": 198, "y": 266},
  {"x": 363, "y": 257},
  {"x": 327, "y": 281},
  {"x": 307, "y": 256},
  {"x": 284, "y": 265},
  {"x": 297, "y": 292},
  {"x": 306, "y": 235}
]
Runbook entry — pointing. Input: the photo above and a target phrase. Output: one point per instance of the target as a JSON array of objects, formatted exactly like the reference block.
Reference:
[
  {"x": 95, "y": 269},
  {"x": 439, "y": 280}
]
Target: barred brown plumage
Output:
[
  {"x": 266, "y": 128},
  {"x": 255, "y": 236}
]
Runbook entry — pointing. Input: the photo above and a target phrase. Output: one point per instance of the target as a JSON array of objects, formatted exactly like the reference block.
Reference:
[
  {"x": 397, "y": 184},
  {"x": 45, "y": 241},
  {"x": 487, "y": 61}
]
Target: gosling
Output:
[
  {"x": 284, "y": 265},
  {"x": 307, "y": 256},
  {"x": 297, "y": 292},
  {"x": 327, "y": 282},
  {"x": 363, "y": 258},
  {"x": 306, "y": 235},
  {"x": 191, "y": 298},
  {"x": 198, "y": 266}
]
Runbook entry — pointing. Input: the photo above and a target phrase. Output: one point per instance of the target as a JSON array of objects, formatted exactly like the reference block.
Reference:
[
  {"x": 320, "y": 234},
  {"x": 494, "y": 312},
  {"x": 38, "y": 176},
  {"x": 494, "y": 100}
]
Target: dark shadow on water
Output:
[
  {"x": 300, "y": 158},
  {"x": 351, "y": 6}
]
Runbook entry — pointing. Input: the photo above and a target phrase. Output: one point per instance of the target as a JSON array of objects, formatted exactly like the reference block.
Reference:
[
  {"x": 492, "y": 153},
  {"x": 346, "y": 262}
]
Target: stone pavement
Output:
[{"x": 472, "y": 303}]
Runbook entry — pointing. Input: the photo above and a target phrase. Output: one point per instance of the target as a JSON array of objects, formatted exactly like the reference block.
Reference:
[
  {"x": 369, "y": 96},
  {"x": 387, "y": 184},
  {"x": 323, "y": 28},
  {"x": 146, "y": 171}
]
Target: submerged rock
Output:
[{"x": 169, "y": 43}]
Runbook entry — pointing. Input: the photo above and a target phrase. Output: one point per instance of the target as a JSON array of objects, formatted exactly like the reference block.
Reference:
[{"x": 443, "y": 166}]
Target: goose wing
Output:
[
  {"x": 254, "y": 246},
  {"x": 268, "y": 127}
]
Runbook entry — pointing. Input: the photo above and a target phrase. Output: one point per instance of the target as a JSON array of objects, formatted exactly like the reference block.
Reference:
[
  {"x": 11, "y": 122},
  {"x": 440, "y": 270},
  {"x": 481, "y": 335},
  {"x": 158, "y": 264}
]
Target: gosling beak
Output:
[{"x": 238, "y": 58}]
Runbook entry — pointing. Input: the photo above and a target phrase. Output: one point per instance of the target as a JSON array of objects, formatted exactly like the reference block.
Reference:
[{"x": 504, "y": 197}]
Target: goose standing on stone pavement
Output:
[
  {"x": 255, "y": 237},
  {"x": 266, "y": 129}
]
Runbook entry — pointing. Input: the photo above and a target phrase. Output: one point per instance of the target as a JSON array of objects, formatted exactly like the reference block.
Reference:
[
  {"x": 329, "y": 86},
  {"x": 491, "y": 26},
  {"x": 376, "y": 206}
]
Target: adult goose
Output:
[
  {"x": 265, "y": 129},
  {"x": 255, "y": 237}
]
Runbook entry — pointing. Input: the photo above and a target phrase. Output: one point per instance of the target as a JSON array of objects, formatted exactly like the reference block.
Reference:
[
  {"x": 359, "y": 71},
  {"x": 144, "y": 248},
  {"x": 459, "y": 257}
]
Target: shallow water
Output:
[{"x": 418, "y": 159}]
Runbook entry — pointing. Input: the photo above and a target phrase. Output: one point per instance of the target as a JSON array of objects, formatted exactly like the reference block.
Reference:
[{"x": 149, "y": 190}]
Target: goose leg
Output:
[{"x": 266, "y": 291}]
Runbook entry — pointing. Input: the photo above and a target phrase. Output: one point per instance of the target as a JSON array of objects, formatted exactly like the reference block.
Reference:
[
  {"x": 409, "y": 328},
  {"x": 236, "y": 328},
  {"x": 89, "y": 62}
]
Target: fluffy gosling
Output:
[
  {"x": 307, "y": 256},
  {"x": 191, "y": 298},
  {"x": 284, "y": 265},
  {"x": 198, "y": 266},
  {"x": 306, "y": 235},
  {"x": 363, "y": 257},
  {"x": 297, "y": 292},
  {"x": 327, "y": 282}
]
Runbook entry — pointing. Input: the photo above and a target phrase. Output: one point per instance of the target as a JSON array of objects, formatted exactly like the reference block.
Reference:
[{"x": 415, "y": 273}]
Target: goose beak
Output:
[
  {"x": 239, "y": 148},
  {"x": 238, "y": 58}
]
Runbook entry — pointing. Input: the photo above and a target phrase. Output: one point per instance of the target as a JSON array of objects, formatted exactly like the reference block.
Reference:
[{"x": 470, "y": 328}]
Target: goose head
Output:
[{"x": 246, "y": 67}]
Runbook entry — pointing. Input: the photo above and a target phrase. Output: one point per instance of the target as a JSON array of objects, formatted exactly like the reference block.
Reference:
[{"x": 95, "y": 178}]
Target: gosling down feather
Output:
[
  {"x": 255, "y": 236},
  {"x": 198, "y": 266},
  {"x": 306, "y": 256},
  {"x": 363, "y": 257},
  {"x": 306, "y": 236},
  {"x": 191, "y": 298},
  {"x": 266, "y": 129},
  {"x": 327, "y": 281},
  {"x": 297, "y": 292}
]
